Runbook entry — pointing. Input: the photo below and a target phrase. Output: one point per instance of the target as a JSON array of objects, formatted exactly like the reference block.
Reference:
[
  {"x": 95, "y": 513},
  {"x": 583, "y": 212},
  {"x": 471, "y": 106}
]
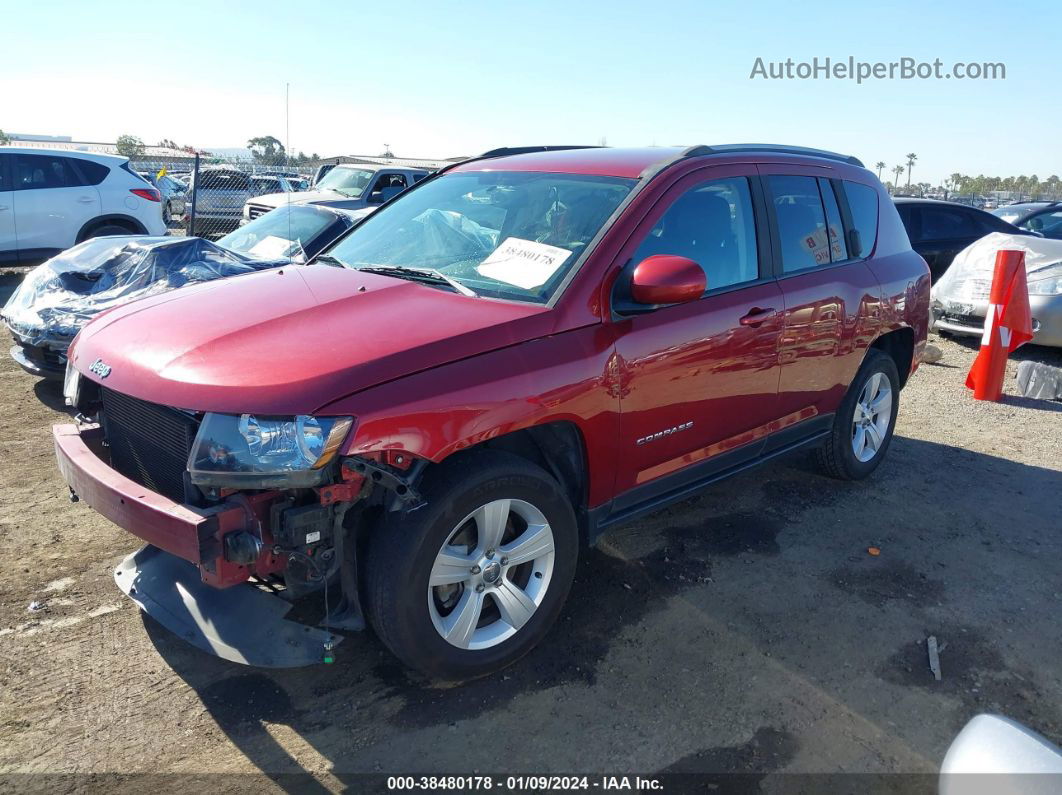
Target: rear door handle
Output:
[
  {"x": 4, "y": 207},
  {"x": 85, "y": 199},
  {"x": 756, "y": 315}
]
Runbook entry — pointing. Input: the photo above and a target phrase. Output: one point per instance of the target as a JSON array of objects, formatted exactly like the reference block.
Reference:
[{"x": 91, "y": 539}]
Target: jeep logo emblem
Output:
[{"x": 100, "y": 369}]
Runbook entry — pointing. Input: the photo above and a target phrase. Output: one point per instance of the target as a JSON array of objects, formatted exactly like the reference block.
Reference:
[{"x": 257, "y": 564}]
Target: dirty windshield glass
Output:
[
  {"x": 348, "y": 181},
  {"x": 508, "y": 235}
]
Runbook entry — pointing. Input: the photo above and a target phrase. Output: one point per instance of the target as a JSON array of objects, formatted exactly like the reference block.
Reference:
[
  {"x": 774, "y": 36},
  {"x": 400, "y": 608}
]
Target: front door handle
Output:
[
  {"x": 4, "y": 207},
  {"x": 756, "y": 315}
]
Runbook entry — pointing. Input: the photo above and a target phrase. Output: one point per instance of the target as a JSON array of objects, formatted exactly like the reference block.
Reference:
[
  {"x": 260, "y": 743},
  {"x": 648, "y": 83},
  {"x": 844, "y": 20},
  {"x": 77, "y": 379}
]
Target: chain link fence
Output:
[{"x": 204, "y": 195}]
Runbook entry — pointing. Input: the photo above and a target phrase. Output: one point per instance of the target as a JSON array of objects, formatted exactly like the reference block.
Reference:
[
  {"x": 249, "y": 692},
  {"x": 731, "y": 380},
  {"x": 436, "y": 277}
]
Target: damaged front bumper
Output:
[
  {"x": 243, "y": 624},
  {"x": 183, "y": 578}
]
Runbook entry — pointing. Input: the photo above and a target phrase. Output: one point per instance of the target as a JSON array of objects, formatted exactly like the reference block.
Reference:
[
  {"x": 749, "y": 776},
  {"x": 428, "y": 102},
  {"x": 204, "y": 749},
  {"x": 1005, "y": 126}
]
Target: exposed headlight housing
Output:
[
  {"x": 253, "y": 451},
  {"x": 71, "y": 385}
]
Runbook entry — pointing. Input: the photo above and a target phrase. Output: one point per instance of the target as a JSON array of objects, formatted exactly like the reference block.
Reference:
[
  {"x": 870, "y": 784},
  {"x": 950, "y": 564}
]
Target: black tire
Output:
[
  {"x": 403, "y": 548},
  {"x": 105, "y": 229},
  {"x": 836, "y": 457},
  {"x": 167, "y": 214}
]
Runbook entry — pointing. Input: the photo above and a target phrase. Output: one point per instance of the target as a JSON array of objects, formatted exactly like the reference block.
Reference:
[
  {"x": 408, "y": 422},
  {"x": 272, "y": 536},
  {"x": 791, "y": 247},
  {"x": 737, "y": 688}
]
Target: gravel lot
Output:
[{"x": 745, "y": 630}]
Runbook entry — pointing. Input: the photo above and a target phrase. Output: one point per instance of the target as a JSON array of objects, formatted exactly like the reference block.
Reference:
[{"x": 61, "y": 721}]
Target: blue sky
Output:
[{"x": 438, "y": 80}]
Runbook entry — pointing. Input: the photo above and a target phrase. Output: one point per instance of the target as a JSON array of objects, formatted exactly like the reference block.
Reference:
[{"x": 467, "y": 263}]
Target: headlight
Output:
[
  {"x": 71, "y": 385},
  {"x": 1046, "y": 280},
  {"x": 263, "y": 452}
]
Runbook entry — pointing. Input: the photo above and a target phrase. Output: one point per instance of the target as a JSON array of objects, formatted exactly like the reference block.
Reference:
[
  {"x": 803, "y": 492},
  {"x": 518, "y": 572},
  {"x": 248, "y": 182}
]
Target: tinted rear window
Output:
[
  {"x": 93, "y": 172},
  {"x": 863, "y": 202},
  {"x": 801, "y": 222},
  {"x": 223, "y": 180}
]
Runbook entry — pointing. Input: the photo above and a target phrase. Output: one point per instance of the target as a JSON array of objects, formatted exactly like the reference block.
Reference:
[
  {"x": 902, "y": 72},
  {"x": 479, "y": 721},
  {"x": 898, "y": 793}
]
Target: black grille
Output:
[
  {"x": 149, "y": 443},
  {"x": 256, "y": 210}
]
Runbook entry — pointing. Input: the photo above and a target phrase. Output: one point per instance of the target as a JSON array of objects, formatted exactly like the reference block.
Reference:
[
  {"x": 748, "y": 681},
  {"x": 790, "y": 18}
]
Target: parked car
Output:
[
  {"x": 60, "y": 296},
  {"x": 940, "y": 230},
  {"x": 1012, "y": 212},
  {"x": 349, "y": 186},
  {"x": 1045, "y": 221},
  {"x": 960, "y": 297},
  {"x": 173, "y": 194},
  {"x": 509, "y": 358},
  {"x": 51, "y": 199},
  {"x": 220, "y": 193},
  {"x": 262, "y": 184}
]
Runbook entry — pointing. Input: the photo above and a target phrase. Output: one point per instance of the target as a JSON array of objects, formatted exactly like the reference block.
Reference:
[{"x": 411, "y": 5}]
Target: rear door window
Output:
[
  {"x": 863, "y": 204},
  {"x": 34, "y": 172},
  {"x": 947, "y": 223},
  {"x": 801, "y": 222}
]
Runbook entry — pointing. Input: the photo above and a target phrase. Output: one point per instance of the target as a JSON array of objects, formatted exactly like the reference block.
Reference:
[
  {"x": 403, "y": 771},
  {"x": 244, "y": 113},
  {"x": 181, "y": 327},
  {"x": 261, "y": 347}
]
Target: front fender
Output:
[{"x": 433, "y": 414}]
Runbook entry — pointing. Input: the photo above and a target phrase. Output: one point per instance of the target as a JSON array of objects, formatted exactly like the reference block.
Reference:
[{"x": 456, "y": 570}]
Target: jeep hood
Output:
[{"x": 292, "y": 340}]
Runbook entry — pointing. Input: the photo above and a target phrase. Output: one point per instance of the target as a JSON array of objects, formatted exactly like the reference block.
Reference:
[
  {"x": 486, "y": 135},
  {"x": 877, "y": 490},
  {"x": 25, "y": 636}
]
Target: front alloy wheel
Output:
[
  {"x": 491, "y": 575},
  {"x": 471, "y": 581}
]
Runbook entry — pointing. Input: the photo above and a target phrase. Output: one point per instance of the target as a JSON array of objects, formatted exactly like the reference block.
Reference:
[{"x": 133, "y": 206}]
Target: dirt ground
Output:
[{"x": 745, "y": 630}]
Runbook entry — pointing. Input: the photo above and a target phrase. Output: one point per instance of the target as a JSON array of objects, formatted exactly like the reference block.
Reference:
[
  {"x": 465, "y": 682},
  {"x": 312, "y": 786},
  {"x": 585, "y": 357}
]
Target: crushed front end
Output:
[{"x": 243, "y": 514}]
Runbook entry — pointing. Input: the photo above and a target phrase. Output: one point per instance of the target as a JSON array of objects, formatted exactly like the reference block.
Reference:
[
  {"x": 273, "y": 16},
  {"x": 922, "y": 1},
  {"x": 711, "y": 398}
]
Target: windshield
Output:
[
  {"x": 348, "y": 181},
  {"x": 507, "y": 235},
  {"x": 280, "y": 233}
]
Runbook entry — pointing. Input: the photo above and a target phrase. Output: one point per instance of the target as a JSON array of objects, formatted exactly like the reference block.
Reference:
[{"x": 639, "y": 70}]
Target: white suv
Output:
[{"x": 51, "y": 199}]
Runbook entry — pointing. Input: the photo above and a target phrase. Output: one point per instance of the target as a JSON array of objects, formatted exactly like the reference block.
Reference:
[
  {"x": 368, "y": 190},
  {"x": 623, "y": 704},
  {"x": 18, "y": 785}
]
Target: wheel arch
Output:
[
  {"x": 898, "y": 343},
  {"x": 111, "y": 218}
]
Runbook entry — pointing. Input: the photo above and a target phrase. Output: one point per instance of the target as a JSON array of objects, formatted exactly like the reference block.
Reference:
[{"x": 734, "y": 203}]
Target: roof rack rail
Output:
[
  {"x": 729, "y": 149},
  {"x": 505, "y": 151}
]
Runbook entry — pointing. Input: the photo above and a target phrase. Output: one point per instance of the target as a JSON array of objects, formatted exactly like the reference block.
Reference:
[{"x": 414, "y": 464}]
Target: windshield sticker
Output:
[
  {"x": 270, "y": 247},
  {"x": 524, "y": 263}
]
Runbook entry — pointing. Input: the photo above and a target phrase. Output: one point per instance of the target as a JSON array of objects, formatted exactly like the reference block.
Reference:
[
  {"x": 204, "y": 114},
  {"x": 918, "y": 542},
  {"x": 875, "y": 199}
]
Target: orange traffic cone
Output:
[{"x": 1008, "y": 326}]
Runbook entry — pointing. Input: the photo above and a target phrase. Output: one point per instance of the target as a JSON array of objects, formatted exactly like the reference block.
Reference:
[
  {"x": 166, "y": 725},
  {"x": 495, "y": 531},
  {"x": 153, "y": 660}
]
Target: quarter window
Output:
[
  {"x": 863, "y": 202},
  {"x": 93, "y": 172},
  {"x": 801, "y": 222},
  {"x": 33, "y": 172},
  {"x": 712, "y": 225}
]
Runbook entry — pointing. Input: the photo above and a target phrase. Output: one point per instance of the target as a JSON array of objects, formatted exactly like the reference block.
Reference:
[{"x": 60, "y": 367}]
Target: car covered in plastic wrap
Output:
[
  {"x": 57, "y": 298},
  {"x": 960, "y": 298}
]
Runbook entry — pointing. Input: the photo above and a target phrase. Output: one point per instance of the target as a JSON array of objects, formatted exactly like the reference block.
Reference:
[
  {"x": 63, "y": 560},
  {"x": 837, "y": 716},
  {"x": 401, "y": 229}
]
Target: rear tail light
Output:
[{"x": 150, "y": 194}]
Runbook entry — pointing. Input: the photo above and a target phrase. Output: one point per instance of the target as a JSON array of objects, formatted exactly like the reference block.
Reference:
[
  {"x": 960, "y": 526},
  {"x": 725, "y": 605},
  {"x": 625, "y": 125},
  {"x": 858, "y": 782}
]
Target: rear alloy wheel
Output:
[
  {"x": 475, "y": 578},
  {"x": 863, "y": 426}
]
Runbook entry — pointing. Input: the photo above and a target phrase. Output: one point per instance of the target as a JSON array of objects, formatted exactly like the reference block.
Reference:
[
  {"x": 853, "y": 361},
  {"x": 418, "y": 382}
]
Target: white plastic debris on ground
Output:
[
  {"x": 969, "y": 278},
  {"x": 60, "y": 296}
]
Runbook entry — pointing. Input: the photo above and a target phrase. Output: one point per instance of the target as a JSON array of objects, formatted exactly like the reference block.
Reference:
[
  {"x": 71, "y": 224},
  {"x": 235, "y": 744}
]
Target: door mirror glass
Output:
[{"x": 667, "y": 279}]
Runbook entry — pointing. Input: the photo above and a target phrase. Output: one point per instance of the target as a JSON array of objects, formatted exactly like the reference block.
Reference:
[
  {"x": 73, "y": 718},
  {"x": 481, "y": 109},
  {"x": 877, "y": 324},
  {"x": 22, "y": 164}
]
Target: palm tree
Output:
[
  {"x": 879, "y": 166},
  {"x": 898, "y": 171},
  {"x": 911, "y": 158}
]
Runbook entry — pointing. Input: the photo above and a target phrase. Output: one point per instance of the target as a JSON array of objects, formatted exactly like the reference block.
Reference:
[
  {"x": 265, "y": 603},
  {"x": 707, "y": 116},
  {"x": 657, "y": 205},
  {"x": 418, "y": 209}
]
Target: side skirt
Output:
[{"x": 672, "y": 488}]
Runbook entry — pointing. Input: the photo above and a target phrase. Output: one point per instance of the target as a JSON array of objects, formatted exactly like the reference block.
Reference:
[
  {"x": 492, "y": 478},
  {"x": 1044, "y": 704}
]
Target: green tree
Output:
[
  {"x": 911, "y": 158},
  {"x": 898, "y": 171},
  {"x": 4, "y": 140},
  {"x": 267, "y": 150},
  {"x": 879, "y": 166},
  {"x": 129, "y": 146}
]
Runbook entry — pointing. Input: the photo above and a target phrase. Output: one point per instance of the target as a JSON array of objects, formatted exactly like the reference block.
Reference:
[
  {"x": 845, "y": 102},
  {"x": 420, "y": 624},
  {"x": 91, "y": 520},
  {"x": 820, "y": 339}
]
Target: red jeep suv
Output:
[{"x": 519, "y": 352}]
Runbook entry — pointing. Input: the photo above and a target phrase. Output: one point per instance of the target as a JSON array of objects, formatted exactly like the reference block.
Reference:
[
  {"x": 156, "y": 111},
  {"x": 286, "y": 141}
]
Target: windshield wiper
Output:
[
  {"x": 429, "y": 275},
  {"x": 328, "y": 259}
]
